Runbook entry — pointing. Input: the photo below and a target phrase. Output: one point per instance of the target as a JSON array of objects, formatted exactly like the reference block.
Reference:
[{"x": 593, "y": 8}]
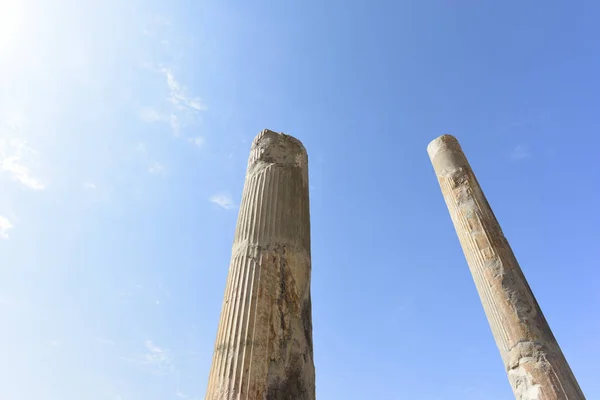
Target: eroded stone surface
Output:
[
  {"x": 264, "y": 349},
  {"x": 535, "y": 365}
]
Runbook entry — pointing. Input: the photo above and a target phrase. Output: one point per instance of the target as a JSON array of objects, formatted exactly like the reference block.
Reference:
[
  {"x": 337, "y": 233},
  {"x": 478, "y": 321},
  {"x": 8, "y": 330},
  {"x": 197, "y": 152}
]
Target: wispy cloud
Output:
[
  {"x": 88, "y": 185},
  {"x": 222, "y": 200},
  {"x": 197, "y": 141},
  {"x": 155, "y": 24},
  {"x": 520, "y": 152},
  {"x": 175, "y": 124},
  {"x": 5, "y": 226},
  {"x": 15, "y": 159},
  {"x": 149, "y": 114},
  {"x": 157, "y": 169},
  {"x": 184, "y": 107},
  {"x": 178, "y": 95},
  {"x": 158, "y": 358}
]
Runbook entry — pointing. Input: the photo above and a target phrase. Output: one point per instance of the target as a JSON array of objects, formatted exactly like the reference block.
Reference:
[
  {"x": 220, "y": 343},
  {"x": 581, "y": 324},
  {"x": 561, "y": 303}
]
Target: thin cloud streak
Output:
[
  {"x": 184, "y": 107},
  {"x": 14, "y": 159},
  {"x": 175, "y": 124},
  {"x": 178, "y": 96},
  {"x": 149, "y": 114},
  {"x": 197, "y": 141},
  {"x": 5, "y": 226},
  {"x": 223, "y": 201},
  {"x": 157, "y": 169},
  {"x": 89, "y": 185},
  {"x": 158, "y": 358},
  {"x": 520, "y": 152}
]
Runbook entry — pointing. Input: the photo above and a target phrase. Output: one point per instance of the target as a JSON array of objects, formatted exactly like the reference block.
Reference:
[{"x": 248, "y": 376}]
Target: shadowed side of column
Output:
[
  {"x": 535, "y": 364},
  {"x": 264, "y": 341}
]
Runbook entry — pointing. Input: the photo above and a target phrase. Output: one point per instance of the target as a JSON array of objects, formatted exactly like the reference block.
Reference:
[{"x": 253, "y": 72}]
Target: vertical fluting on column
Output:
[
  {"x": 535, "y": 365},
  {"x": 264, "y": 346}
]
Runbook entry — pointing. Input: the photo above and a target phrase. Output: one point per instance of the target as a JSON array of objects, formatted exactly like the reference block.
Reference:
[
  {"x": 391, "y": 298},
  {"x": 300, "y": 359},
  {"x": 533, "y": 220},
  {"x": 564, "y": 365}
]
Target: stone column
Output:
[
  {"x": 536, "y": 367},
  {"x": 264, "y": 345}
]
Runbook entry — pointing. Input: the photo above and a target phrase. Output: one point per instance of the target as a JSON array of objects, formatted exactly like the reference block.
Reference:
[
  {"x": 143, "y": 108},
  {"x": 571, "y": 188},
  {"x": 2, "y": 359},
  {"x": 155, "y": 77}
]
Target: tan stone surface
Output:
[
  {"x": 264, "y": 341},
  {"x": 535, "y": 365}
]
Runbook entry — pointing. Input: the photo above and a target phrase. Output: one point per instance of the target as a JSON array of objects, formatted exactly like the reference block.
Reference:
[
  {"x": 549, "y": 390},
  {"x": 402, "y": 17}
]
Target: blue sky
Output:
[{"x": 125, "y": 128}]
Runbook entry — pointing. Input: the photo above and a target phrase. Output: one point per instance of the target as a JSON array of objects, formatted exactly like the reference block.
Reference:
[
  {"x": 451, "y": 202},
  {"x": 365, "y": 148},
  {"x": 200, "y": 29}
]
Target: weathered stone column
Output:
[
  {"x": 536, "y": 367},
  {"x": 264, "y": 345}
]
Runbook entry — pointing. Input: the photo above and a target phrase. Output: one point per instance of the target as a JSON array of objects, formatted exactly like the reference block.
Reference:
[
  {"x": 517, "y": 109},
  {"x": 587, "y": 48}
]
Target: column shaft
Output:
[
  {"x": 264, "y": 349},
  {"x": 536, "y": 367}
]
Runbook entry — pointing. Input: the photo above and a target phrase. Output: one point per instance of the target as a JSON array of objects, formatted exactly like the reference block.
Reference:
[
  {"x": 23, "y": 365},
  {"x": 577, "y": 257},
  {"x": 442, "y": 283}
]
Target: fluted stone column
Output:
[
  {"x": 264, "y": 345},
  {"x": 536, "y": 367}
]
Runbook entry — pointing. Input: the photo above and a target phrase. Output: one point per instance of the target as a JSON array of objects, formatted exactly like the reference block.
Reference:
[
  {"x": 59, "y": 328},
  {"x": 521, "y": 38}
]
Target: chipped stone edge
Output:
[{"x": 443, "y": 143}]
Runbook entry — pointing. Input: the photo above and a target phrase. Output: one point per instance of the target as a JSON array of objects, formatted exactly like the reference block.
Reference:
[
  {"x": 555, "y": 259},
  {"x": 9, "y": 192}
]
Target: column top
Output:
[
  {"x": 443, "y": 143},
  {"x": 278, "y": 148},
  {"x": 446, "y": 155}
]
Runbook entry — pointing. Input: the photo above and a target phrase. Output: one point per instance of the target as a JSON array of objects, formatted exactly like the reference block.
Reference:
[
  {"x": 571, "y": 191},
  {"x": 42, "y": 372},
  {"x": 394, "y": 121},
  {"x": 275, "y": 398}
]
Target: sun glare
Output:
[{"x": 11, "y": 25}]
